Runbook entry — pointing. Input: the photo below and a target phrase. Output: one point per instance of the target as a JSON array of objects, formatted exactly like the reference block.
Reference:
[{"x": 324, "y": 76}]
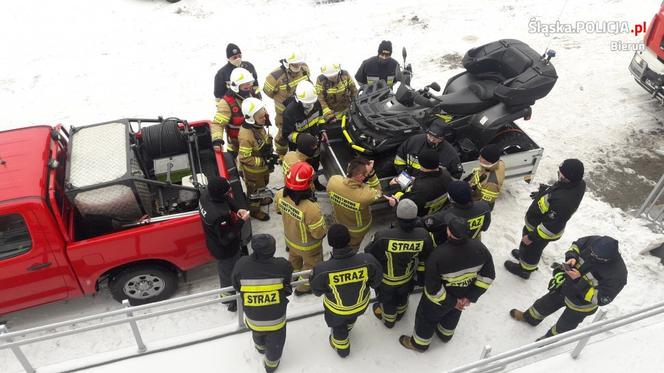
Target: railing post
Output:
[
  {"x": 583, "y": 342},
  {"x": 240, "y": 311},
  {"x": 18, "y": 353},
  {"x": 654, "y": 195},
  {"x": 134, "y": 328},
  {"x": 486, "y": 351}
]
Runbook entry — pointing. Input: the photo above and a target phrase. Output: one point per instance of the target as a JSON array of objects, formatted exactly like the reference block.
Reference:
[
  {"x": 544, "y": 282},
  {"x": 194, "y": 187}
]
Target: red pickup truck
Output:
[
  {"x": 647, "y": 65},
  {"x": 112, "y": 203}
]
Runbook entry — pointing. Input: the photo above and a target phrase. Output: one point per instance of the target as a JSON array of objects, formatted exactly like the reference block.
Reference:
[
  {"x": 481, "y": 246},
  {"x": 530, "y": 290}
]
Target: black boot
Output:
[
  {"x": 318, "y": 186},
  {"x": 515, "y": 254},
  {"x": 515, "y": 269}
]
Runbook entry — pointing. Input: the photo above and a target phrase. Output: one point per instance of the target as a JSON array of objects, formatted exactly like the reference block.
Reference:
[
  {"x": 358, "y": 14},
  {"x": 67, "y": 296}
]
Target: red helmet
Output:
[{"x": 299, "y": 176}]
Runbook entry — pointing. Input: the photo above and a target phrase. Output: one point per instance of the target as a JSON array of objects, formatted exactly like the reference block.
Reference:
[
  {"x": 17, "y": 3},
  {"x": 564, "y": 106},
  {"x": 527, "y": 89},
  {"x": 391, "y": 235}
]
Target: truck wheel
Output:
[{"x": 143, "y": 284}]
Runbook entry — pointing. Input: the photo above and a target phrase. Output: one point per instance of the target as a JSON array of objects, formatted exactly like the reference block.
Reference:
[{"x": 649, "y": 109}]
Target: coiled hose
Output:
[{"x": 164, "y": 140}]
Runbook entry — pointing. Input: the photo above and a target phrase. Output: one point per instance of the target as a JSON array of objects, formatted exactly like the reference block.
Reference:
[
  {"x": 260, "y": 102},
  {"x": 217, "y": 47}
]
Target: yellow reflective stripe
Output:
[
  {"x": 270, "y": 363},
  {"x": 398, "y": 195},
  {"x": 253, "y": 170},
  {"x": 580, "y": 308},
  {"x": 436, "y": 204},
  {"x": 326, "y": 111},
  {"x": 543, "y": 204},
  {"x": 268, "y": 86},
  {"x": 529, "y": 227},
  {"x": 546, "y": 234},
  {"x": 483, "y": 283},
  {"x": 421, "y": 341},
  {"x": 264, "y": 328},
  {"x": 260, "y": 288},
  {"x": 575, "y": 249},
  {"x": 526, "y": 266},
  {"x": 361, "y": 229},
  {"x": 589, "y": 295},
  {"x": 342, "y": 310},
  {"x": 317, "y": 244},
  {"x": 535, "y": 314},
  {"x": 318, "y": 224},
  {"x": 445, "y": 332},
  {"x": 341, "y": 344},
  {"x": 246, "y": 150},
  {"x": 399, "y": 161},
  {"x": 220, "y": 118},
  {"x": 258, "y": 160},
  {"x": 280, "y": 107},
  {"x": 438, "y": 297}
]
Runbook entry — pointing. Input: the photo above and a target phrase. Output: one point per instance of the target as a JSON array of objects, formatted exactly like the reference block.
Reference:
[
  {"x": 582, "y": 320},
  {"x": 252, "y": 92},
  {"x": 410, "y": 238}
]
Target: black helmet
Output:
[{"x": 437, "y": 129}]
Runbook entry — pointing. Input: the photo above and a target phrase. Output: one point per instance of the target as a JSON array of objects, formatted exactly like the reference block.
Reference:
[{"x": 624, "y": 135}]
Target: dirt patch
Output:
[
  {"x": 449, "y": 61},
  {"x": 413, "y": 21},
  {"x": 624, "y": 175}
]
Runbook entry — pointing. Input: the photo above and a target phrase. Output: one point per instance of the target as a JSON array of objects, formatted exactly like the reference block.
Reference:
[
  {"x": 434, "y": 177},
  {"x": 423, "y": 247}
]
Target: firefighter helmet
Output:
[
  {"x": 251, "y": 106},
  {"x": 299, "y": 176},
  {"x": 305, "y": 92},
  {"x": 330, "y": 70},
  {"x": 240, "y": 76}
]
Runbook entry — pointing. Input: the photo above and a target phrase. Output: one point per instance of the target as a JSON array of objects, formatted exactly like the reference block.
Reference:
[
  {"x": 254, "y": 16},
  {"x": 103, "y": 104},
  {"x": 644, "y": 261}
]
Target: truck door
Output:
[{"x": 29, "y": 273}]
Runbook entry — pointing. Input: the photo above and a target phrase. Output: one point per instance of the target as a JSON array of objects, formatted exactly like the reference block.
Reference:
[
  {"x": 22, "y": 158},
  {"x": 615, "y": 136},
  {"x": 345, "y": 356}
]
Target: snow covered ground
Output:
[{"x": 80, "y": 62}]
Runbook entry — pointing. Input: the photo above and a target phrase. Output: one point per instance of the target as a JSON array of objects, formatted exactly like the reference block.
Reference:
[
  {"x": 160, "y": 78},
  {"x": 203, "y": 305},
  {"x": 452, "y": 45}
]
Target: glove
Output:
[
  {"x": 542, "y": 188},
  {"x": 218, "y": 143},
  {"x": 558, "y": 277}
]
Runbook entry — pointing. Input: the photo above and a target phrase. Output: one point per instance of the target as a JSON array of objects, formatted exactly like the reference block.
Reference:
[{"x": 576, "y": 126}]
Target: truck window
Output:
[{"x": 14, "y": 236}]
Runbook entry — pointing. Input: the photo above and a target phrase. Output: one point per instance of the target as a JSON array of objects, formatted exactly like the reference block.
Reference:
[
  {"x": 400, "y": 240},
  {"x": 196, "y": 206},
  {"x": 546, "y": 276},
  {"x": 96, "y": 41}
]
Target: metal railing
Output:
[
  {"x": 11, "y": 342},
  {"x": 581, "y": 336},
  {"x": 653, "y": 206}
]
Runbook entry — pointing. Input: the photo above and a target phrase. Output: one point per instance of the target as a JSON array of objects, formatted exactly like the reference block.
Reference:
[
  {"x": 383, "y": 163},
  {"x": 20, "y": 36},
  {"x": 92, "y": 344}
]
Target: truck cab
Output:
[{"x": 647, "y": 65}]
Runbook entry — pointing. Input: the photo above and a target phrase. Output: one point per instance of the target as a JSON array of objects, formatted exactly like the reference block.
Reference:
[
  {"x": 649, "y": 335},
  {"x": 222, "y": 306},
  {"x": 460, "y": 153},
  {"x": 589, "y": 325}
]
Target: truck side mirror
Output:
[
  {"x": 404, "y": 54},
  {"x": 435, "y": 86}
]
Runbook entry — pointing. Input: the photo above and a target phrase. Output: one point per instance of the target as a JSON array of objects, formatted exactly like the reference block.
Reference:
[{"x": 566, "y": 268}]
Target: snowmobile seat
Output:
[{"x": 465, "y": 94}]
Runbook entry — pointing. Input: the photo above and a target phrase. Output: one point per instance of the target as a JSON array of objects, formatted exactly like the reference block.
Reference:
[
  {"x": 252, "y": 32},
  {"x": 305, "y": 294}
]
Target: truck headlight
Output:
[{"x": 638, "y": 59}]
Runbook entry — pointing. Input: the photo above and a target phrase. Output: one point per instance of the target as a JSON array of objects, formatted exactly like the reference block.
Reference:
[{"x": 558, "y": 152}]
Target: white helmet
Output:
[
  {"x": 251, "y": 106},
  {"x": 295, "y": 57},
  {"x": 330, "y": 70},
  {"x": 305, "y": 92},
  {"x": 240, "y": 76}
]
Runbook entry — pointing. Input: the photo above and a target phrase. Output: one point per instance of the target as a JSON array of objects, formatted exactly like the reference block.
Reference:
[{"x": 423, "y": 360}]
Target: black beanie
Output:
[
  {"x": 458, "y": 227},
  {"x": 428, "y": 158},
  {"x": 306, "y": 144},
  {"x": 572, "y": 169},
  {"x": 385, "y": 46},
  {"x": 232, "y": 50},
  {"x": 491, "y": 153},
  {"x": 217, "y": 187},
  {"x": 338, "y": 236},
  {"x": 264, "y": 245},
  {"x": 460, "y": 192},
  {"x": 604, "y": 249}
]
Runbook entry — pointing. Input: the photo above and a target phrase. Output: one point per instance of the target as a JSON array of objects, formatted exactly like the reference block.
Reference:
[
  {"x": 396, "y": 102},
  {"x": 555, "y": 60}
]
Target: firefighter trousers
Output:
[
  {"x": 271, "y": 344},
  {"x": 393, "y": 301},
  {"x": 303, "y": 261},
  {"x": 254, "y": 182},
  {"x": 341, "y": 326},
  {"x": 550, "y": 303},
  {"x": 432, "y": 318},
  {"x": 280, "y": 144},
  {"x": 529, "y": 255},
  {"x": 225, "y": 268}
]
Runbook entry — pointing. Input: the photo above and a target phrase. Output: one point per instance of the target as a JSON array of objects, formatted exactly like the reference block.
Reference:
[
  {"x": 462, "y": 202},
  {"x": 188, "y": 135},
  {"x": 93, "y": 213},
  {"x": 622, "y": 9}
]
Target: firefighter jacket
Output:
[
  {"x": 264, "y": 283},
  {"x": 351, "y": 201},
  {"x": 600, "y": 282},
  {"x": 221, "y": 225},
  {"x": 458, "y": 269},
  {"x": 478, "y": 215},
  {"x": 345, "y": 279},
  {"x": 291, "y": 158},
  {"x": 229, "y": 117},
  {"x": 551, "y": 208},
  {"x": 428, "y": 191},
  {"x": 407, "y": 153},
  {"x": 255, "y": 147},
  {"x": 397, "y": 249},
  {"x": 374, "y": 69},
  {"x": 487, "y": 182},
  {"x": 297, "y": 121},
  {"x": 335, "y": 97},
  {"x": 304, "y": 225},
  {"x": 223, "y": 76},
  {"x": 281, "y": 83}
]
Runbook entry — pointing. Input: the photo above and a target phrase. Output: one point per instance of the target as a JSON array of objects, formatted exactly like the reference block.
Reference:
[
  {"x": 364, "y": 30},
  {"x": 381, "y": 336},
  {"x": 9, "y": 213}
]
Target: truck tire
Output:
[{"x": 144, "y": 283}]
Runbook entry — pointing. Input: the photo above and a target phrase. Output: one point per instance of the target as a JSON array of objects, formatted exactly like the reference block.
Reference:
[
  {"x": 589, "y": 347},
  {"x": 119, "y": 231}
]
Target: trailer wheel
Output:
[{"x": 145, "y": 283}]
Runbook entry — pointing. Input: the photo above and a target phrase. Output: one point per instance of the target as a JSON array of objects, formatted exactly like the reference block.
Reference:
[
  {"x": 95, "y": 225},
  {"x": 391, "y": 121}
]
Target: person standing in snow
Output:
[
  {"x": 264, "y": 283},
  {"x": 335, "y": 90},
  {"x": 344, "y": 281},
  {"x": 547, "y": 216},
  {"x": 487, "y": 179},
  {"x": 223, "y": 76},
  {"x": 593, "y": 275},
  {"x": 457, "y": 273},
  {"x": 381, "y": 67}
]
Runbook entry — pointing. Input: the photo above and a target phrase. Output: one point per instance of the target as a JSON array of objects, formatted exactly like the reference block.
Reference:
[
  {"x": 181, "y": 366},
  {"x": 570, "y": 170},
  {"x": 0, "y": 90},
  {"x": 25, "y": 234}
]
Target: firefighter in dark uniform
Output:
[
  {"x": 458, "y": 272},
  {"x": 222, "y": 224},
  {"x": 547, "y": 216},
  {"x": 408, "y": 152},
  {"x": 476, "y": 213},
  {"x": 223, "y": 76},
  {"x": 397, "y": 249},
  {"x": 381, "y": 67},
  {"x": 429, "y": 188},
  {"x": 593, "y": 275},
  {"x": 344, "y": 281},
  {"x": 305, "y": 115},
  {"x": 264, "y": 283}
]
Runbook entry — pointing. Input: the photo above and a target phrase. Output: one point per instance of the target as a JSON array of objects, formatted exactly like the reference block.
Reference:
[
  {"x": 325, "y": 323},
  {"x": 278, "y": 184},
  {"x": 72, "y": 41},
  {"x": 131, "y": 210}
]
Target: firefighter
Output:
[
  {"x": 222, "y": 78},
  {"x": 457, "y": 273},
  {"x": 547, "y": 216},
  {"x": 305, "y": 115},
  {"x": 256, "y": 158},
  {"x": 229, "y": 115},
  {"x": 381, "y": 67},
  {"x": 476, "y": 213},
  {"x": 304, "y": 225},
  {"x": 279, "y": 86},
  {"x": 352, "y": 196},
  {"x": 397, "y": 249},
  {"x": 344, "y": 281},
  {"x": 264, "y": 283},
  {"x": 335, "y": 90},
  {"x": 307, "y": 147},
  {"x": 407, "y": 153},
  {"x": 222, "y": 224},
  {"x": 429, "y": 188},
  {"x": 593, "y": 275},
  {"x": 487, "y": 179}
]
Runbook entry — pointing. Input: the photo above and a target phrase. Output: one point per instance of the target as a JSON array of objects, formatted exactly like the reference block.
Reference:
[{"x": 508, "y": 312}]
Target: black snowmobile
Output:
[{"x": 502, "y": 81}]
